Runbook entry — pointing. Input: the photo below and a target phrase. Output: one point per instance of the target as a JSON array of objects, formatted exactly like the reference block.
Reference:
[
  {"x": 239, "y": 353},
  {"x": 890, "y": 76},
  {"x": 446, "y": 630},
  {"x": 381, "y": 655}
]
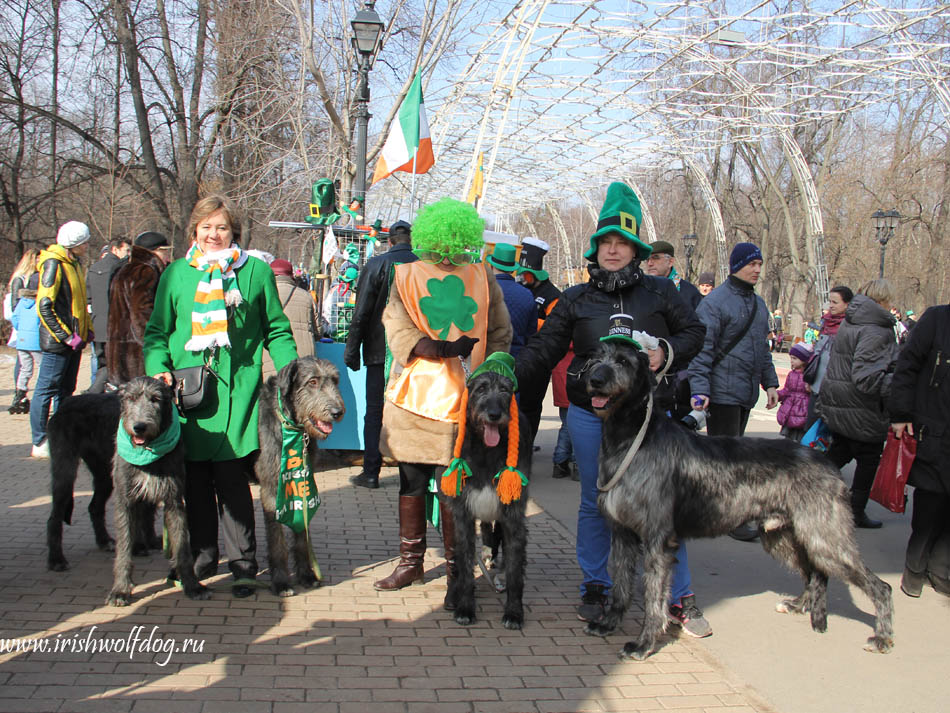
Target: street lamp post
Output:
[
  {"x": 367, "y": 29},
  {"x": 885, "y": 222},
  {"x": 690, "y": 241}
]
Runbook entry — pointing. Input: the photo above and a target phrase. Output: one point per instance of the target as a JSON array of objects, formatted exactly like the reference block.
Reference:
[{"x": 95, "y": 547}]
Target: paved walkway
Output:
[{"x": 345, "y": 647}]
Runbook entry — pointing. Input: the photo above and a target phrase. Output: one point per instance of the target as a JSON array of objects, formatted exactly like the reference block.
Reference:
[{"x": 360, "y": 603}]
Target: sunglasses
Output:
[{"x": 434, "y": 257}]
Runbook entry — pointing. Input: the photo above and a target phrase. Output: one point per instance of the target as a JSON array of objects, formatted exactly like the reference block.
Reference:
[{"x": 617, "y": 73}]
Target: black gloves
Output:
[
  {"x": 433, "y": 348},
  {"x": 352, "y": 360}
]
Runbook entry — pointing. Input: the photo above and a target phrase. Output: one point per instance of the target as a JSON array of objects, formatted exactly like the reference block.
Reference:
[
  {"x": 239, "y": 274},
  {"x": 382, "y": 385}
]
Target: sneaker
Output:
[
  {"x": 562, "y": 470},
  {"x": 41, "y": 451},
  {"x": 690, "y": 617},
  {"x": 593, "y": 604},
  {"x": 746, "y": 532}
]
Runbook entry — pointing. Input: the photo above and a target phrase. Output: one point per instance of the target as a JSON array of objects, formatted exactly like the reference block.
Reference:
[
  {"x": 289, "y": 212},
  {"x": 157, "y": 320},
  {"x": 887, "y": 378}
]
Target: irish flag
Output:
[{"x": 408, "y": 138}]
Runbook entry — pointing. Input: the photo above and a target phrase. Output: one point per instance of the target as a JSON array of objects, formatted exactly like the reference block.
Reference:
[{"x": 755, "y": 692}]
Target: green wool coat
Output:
[{"x": 227, "y": 427}]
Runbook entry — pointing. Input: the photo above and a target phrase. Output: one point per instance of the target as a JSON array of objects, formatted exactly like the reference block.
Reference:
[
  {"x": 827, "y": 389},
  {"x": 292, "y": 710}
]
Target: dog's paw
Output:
[
  {"x": 57, "y": 565},
  {"x": 464, "y": 617},
  {"x": 282, "y": 589},
  {"x": 790, "y": 606},
  {"x": 513, "y": 621},
  {"x": 635, "y": 651},
  {"x": 199, "y": 593},
  {"x": 307, "y": 579},
  {"x": 106, "y": 545},
  {"x": 879, "y": 644},
  {"x": 118, "y": 598},
  {"x": 595, "y": 628}
]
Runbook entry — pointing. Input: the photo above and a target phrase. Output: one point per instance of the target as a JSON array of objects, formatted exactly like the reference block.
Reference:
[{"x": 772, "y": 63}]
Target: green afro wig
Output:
[{"x": 448, "y": 226}]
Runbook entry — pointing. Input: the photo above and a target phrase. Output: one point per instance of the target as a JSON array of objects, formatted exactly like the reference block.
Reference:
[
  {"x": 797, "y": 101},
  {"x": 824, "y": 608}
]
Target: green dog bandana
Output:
[{"x": 144, "y": 455}]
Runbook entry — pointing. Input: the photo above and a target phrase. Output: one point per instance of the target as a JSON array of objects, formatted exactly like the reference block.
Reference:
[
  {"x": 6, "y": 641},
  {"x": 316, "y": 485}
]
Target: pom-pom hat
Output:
[
  {"x": 801, "y": 351},
  {"x": 620, "y": 214}
]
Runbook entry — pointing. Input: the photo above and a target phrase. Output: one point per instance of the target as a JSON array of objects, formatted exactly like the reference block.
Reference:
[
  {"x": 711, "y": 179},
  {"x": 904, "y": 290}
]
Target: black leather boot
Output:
[{"x": 412, "y": 544}]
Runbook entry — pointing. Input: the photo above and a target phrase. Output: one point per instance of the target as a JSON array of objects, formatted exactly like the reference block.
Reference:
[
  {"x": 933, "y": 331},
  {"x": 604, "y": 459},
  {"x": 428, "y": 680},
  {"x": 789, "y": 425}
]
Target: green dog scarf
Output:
[{"x": 144, "y": 455}]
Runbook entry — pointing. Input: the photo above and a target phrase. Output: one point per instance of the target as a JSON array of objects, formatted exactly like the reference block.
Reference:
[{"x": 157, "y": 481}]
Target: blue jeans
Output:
[
  {"x": 56, "y": 380},
  {"x": 562, "y": 449},
  {"x": 593, "y": 533}
]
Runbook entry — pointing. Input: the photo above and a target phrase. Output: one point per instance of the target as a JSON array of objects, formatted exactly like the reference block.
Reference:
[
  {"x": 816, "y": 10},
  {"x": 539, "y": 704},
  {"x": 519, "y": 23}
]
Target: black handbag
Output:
[{"x": 194, "y": 387}]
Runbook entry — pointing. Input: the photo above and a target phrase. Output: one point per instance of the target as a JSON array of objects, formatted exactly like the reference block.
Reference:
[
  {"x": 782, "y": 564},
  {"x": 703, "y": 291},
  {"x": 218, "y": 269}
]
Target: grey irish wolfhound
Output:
[
  {"x": 487, "y": 428},
  {"x": 682, "y": 485},
  {"x": 147, "y": 411},
  {"x": 310, "y": 400}
]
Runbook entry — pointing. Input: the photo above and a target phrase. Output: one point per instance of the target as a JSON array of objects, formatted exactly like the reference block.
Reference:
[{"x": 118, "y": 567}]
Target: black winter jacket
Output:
[
  {"x": 858, "y": 380},
  {"x": 372, "y": 291},
  {"x": 920, "y": 394},
  {"x": 582, "y": 315},
  {"x": 98, "y": 280}
]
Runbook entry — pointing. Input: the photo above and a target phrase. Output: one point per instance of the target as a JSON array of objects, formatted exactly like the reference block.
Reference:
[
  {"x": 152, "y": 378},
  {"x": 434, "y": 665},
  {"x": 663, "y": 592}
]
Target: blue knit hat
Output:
[{"x": 742, "y": 255}]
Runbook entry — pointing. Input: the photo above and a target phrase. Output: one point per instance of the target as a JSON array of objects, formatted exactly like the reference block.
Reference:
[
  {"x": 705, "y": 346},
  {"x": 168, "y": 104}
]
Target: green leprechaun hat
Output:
[
  {"x": 500, "y": 363},
  {"x": 323, "y": 210},
  {"x": 620, "y": 214}
]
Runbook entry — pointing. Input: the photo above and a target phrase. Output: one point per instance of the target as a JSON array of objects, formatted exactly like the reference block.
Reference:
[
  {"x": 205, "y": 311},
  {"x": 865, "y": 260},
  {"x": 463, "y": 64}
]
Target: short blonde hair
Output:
[
  {"x": 879, "y": 290},
  {"x": 209, "y": 205}
]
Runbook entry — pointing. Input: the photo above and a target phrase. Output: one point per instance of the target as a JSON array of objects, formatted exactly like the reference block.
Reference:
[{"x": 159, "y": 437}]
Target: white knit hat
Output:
[{"x": 72, "y": 234}]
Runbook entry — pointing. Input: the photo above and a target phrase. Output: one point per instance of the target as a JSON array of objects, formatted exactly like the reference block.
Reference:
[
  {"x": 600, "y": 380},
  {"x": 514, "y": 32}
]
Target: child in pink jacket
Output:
[{"x": 793, "y": 413}]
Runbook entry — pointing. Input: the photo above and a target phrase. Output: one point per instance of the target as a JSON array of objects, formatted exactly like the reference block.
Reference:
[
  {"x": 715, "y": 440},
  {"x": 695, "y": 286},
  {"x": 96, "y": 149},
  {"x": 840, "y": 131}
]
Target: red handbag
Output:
[{"x": 890, "y": 481}]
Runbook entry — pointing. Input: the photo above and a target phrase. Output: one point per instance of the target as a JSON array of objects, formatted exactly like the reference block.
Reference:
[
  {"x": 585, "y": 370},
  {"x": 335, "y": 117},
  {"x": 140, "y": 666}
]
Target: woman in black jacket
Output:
[
  {"x": 617, "y": 286},
  {"x": 858, "y": 380},
  {"x": 920, "y": 407}
]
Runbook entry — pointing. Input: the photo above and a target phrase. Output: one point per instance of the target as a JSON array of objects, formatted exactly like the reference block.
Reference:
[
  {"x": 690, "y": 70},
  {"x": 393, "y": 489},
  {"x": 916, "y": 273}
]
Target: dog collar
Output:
[
  {"x": 144, "y": 455},
  {"x": 285, "y": 420}
]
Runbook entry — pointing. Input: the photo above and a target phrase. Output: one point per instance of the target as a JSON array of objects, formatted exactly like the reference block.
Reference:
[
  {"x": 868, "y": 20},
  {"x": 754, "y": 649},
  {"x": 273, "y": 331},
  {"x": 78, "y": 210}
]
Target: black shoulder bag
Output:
[
  {"x": 194, "y": 387},
  {"x": 738, "y": 338}
]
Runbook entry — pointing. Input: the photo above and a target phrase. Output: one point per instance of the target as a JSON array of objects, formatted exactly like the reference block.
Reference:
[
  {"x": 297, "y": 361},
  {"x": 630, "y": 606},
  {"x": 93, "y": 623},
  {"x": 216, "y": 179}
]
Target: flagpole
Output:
[{"x": 412, "y": 189}]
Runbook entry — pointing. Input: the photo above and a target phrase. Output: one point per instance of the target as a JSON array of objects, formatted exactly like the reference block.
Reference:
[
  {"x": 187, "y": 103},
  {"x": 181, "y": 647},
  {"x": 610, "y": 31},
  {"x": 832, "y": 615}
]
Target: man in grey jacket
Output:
[{"x": 725, "y": 376}]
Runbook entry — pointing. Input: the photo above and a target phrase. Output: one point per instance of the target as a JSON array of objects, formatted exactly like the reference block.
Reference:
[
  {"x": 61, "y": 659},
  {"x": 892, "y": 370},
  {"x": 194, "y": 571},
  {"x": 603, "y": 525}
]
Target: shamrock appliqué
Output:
[{"x": 447, "y": 304}]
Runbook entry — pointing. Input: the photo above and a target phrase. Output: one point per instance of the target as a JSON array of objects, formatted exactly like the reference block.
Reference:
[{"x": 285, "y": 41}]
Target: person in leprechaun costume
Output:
[{"x": 445, "y": 314}]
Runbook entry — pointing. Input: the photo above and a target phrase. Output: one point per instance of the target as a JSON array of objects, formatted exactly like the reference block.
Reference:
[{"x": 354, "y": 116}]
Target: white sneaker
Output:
[{"x": 41, "y": 451}]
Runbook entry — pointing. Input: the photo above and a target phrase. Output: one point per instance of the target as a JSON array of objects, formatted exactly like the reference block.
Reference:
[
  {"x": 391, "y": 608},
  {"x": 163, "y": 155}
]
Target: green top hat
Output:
[
  {"x": 503, "y": 257},
  {"x": 620, "y": 214},
  {"x": 500, "y": 363},
  {"x": 323, "y": 210},
  {"x": 533, "y": 251},
  {"x": 350, "y": 274}
]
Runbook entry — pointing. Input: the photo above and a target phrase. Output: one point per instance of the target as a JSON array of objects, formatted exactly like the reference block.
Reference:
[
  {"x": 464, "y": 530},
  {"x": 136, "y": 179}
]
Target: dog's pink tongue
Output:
[
  {"x": 598, "y": 401},
  {"x": 490, "y": 435}
]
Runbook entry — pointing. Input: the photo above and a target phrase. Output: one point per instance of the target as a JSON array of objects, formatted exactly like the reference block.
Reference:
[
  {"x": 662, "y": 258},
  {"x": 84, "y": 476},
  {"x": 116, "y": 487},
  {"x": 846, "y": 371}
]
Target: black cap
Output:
[
  {"x": 150, "y": 240},
  {"x": 400, "y": 226}
]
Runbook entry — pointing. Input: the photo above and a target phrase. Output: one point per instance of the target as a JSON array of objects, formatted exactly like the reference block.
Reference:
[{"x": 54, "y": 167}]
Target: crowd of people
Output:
[{"x": 429, "y": 311}]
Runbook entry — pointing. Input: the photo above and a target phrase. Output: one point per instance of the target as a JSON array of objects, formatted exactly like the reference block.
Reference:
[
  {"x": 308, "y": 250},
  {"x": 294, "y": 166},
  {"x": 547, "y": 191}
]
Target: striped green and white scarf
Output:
[{"x": 217, "y": 290}]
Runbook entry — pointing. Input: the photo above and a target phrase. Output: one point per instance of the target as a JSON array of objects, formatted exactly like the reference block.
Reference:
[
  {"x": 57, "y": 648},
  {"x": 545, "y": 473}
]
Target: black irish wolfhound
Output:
[
  {"x": 84, "y": 428},
  {"x": 151, "y": 434},
  {"x": 310, "y": 400},
  {"x": 682, "y": 485},
  {"x": 485, "y": 449}
]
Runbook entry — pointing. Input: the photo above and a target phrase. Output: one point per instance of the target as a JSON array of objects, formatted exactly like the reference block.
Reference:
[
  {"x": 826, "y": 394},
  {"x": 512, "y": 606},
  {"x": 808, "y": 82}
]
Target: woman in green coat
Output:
[{"x": 219, "y": 305}]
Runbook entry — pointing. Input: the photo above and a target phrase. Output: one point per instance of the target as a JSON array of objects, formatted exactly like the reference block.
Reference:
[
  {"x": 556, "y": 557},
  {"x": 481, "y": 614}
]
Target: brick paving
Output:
[{"x": 339, "y": 648}]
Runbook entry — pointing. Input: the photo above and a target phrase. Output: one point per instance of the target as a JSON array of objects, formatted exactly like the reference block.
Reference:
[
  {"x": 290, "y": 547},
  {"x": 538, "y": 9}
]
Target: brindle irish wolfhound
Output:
[
  {"x": 682, "y": 485},
  {"x": 485, "y": 450},
  {"x": 147, "y": 413},
  {"x": 310, "y": 399}
]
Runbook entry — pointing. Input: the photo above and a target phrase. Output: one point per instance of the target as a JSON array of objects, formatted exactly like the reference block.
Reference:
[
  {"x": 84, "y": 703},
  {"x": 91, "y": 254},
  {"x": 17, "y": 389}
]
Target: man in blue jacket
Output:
[{"x": 735, "y": 360}]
